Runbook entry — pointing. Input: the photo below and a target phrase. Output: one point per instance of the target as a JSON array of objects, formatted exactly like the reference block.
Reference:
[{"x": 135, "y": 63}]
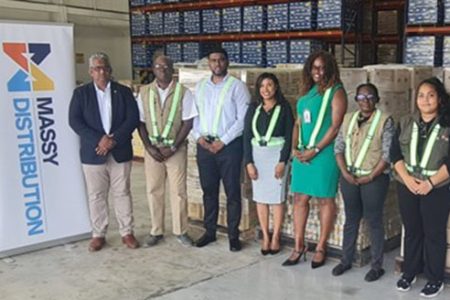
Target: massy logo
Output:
[{"x": 29, "y": 77}]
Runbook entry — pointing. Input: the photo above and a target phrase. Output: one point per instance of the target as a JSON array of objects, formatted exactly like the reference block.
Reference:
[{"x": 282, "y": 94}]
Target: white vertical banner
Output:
[{"x": 42, "y": 192}]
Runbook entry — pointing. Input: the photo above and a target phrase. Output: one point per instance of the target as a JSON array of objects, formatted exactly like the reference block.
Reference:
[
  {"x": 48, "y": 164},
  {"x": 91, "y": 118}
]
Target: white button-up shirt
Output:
[
  {"x": 104, "y": 106},
  {"x": 188, "y": 110},
  {"x": 231, "y": 122}
]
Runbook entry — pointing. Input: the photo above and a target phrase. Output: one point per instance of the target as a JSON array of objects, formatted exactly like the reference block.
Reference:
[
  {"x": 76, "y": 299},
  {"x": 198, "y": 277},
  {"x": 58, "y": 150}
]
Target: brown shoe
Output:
[
  {"x": 96, "y": 244},
  {"x": 130, "y": 241}
]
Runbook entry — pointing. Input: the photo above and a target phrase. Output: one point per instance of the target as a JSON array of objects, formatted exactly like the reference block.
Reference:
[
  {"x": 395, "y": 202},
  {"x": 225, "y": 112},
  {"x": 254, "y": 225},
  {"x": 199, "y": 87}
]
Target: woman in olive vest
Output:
[
  {"x": 267, "y": 144},
  {"x": 320, "y": 111},
  {"x": 362, "y": 154},
  {"x": 420, "y": 154}
]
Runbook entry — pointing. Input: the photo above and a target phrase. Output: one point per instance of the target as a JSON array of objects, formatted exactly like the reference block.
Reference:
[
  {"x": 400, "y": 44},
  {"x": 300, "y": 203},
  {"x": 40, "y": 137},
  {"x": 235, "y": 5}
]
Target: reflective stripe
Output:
[
  {"x": 156, "y": 138},
  {"x": 356, "y": 167},
  {"x": 219, "y": 107},
  {"x": 267, "y": 139},
  {"x": 421, "y": 168},
  {"x": 323, "y": 108},
  {"x": 275, "y": 141}
]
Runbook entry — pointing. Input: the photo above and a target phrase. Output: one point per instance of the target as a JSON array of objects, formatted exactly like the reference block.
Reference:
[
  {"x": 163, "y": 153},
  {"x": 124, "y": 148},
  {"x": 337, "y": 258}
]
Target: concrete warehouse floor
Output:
[{"x": 172, "y": 271}]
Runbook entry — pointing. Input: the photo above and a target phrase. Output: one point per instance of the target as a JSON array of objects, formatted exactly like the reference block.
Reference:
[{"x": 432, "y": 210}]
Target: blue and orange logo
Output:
[{"x": 28, "y": 56}]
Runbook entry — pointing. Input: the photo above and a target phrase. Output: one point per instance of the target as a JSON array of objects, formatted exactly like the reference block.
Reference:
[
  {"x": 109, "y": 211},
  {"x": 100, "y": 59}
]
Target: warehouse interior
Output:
[{"x": 394, "y": 44}]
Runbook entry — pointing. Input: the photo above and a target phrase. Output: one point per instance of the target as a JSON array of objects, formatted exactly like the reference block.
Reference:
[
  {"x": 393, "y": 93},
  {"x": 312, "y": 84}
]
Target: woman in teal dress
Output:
[{"x": 320, "y": 112}]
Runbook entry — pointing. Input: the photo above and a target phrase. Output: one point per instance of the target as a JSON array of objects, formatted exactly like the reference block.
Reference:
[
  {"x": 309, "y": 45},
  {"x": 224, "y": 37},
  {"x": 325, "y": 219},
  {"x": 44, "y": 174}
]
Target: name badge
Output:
[{"x": 306, "y": 116}]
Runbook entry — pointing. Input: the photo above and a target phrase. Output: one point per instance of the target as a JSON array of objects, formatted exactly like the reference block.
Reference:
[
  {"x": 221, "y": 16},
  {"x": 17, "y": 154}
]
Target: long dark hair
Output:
[
  {"x": 331, "y": 76},
  {"x": 279, "y": 98},
  {"x": 444, "y": 99}
]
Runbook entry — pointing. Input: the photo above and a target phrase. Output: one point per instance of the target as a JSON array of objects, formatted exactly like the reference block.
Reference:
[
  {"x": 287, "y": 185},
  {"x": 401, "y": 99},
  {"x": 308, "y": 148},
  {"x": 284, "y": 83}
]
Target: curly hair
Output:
[
  {"x": 444, "y": 99},
  {"x": 279, "y": 97},
  {"x": 331, "y": 74}
]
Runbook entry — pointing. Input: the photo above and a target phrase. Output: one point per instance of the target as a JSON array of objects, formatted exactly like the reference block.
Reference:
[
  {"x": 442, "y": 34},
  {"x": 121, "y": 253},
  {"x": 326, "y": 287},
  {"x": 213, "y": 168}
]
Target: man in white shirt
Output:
[
  {"x": 222, "y": 102},
  {"x": 104, "y": 114},
  {"x": 167, "y": 111}
]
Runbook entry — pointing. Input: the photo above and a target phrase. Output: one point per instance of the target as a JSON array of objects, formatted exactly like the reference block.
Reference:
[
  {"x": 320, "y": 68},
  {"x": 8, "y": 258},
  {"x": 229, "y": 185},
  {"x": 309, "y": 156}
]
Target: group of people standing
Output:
[{"x": 325, "y": 146}]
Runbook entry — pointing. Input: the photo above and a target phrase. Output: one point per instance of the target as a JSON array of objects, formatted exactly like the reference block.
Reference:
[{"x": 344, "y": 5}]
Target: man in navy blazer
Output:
[{"x": 104, "y": 114}]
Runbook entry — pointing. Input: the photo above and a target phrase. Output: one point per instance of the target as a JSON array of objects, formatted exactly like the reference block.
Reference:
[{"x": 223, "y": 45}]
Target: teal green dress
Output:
[{"x": 318, "y": 178}]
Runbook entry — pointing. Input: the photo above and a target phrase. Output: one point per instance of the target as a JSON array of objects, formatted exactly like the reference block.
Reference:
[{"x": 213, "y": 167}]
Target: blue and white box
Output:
[
  {"x": 192, "y": 21},
  {"x": 174, "y": 51},
  {"x": 191, "y": 52},
  {"x": 276, "y": 52},
  {"x": 138, "y": 25},
  {"x": 211, "y": 20},
  {"x": 299, "y": 50},
  {"x": 253, "y": 52},
  {"x": 254, "y": 18},
  {"x": 172, "y": 23},
  {"x": 423, "y": 12},
  {"x": 234, "y": 51},
  {"x": 423, "y": 51},
  {"x": 278, "y": 17},
  {"x": 302, "y": 15},
  {"x": 232, "y": 19},
  {"x": 134, "y": 3},
  {"x": 155, "y": 23},
  {"x": 336, "y": 14}
]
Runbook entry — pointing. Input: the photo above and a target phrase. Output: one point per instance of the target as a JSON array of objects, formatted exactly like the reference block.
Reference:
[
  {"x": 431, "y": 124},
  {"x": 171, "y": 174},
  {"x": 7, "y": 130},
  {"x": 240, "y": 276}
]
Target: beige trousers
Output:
[
  {"x": 174, "y": 170},
  {"x": 114, "y": 179}
]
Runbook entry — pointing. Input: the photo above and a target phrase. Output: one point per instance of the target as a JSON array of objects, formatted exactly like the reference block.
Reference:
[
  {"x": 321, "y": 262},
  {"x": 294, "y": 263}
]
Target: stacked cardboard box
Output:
[
  {"x": 302, "y": 15},
  {"x": 211, "y": 20},
  {"x": 192, "y": 22},
  {"x": 255, "y": 18},
  {"x": 155, "y": 23},
  {"x": 278, "y": 14},
  {"x": 234, "y": 51},
  {"x": 232, "y": 19},
  {"x": 138, "y": 24},
  {"x": 276, "y": 52},
  {"x": 423, "y": 12}
]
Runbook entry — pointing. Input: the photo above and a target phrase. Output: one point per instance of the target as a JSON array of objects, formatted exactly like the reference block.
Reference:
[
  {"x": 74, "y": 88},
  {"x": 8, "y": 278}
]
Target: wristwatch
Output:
[
  {"x": 316, "y": 149},
  {"x": 173, "y": 148}
]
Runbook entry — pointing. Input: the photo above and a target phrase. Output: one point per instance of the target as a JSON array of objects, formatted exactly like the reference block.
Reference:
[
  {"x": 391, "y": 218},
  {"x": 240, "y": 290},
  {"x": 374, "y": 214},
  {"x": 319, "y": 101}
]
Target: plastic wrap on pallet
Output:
[
  {"x": 302, "y": 15},
  {"x": 173, "y": 23},
  {"x": 232, "y": 19},
  {"x": 253, "y": 52},
  {"x": 234, "y": 51},
  {"x": 278, "y": 17},
  {"x": 134, "y": 3},
  {"x": 276, "y": 52},
  {"x": 423, "y": 12},
  {"x": 255, "y": 18},
  {"x": 419, "y": 49},
  {"x": 174, "y": 51},
  {"x": 138, "y": 25},
  {"x": 155, "y": 23},
  {"x": 191, "y": 52},
  {"x": 336, "y": 14},
  {"x": 192, "y": 22},
  {"x": 299, "y": 50},
  {"x": 211, "y": 20}
]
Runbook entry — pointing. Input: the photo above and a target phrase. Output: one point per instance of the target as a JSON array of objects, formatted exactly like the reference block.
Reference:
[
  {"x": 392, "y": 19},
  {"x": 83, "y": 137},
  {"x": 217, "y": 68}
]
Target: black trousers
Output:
[
  {"x": 364, "y": 201},
  {"x": 425, "y": 221},
  {"x": 225, "y": 165}
]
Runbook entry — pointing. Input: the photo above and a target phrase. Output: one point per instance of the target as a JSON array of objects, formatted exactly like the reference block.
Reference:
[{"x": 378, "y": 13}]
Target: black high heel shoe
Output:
[
  {"x": 289, "y": 262},
  {"x": 317, "y": 264},
  {"x": 265, "y": 252}
]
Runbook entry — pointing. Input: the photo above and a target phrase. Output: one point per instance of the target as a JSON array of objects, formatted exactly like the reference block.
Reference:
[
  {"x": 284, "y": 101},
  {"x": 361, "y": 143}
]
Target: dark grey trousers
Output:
[{"x": 364, "y": 201}]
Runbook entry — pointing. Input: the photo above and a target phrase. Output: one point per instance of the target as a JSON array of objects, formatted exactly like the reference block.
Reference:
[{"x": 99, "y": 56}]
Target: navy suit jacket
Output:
[{"x": 85, "y": 120}]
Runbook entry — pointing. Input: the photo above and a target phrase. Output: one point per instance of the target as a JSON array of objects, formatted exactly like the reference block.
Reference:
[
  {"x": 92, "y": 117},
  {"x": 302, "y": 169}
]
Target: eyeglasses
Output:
[
  {"x": 369, "y": 97},
  {"x": 161, "y": 67}
]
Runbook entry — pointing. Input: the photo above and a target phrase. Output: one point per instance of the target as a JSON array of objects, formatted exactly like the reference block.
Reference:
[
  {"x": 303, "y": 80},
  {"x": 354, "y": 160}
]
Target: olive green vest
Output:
[
  {"x": 438, "y": 153},
  {"x": 162, "y": 113},
  {"x": 359, "y": 134}
]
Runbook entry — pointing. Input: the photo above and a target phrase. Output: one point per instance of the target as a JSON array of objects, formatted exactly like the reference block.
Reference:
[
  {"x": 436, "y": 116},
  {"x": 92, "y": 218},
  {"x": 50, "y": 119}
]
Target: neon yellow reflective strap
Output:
[
  {"x": 363, "y": 152},
  {"x": 412, "y": 167},
  {"x": 266, "y": 140},
  {"x": 173, "y": 111},
  {"x": 219, "y": 107},
  {"x": 202, "y": 107},
  {"x": 318, "y": 125},
  {"x": 348, "y": 140},
  {"x": 151, "y": 104}
]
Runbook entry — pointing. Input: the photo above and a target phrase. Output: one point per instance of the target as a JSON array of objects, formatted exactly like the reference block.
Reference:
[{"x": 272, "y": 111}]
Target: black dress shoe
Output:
[
  {"x": 373, "y": 275},
  {"x": 292, "y": 262},
  {"x": 275, "y": 251},
  {"x": 340, "y": 269},
  {"x": 265, "y": 252},
  {"x": 317, "y": 264},
  {"x": 235, "y": 245},
  {"x": 205, "y": 240}
]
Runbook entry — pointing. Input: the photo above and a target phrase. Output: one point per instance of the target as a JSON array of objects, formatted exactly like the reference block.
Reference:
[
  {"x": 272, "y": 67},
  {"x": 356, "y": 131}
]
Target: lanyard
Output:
[
  {"x": 426, "y": 154},
  {"x": 266, "y": 140}
]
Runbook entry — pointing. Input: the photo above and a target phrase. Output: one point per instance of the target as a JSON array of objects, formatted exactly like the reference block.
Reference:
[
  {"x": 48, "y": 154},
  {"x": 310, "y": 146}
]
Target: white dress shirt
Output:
[
  {"x": 104, "y": 106},
  {"x": 231, "y": 122},
  {"x": 188, "y": 110}
]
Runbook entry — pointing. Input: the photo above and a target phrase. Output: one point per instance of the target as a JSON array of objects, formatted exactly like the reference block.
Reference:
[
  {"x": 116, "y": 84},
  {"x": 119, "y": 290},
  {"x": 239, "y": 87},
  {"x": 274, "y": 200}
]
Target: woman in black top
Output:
[
  {"x": 420, "y": 154},
  {"x": 267, "y": 142}
]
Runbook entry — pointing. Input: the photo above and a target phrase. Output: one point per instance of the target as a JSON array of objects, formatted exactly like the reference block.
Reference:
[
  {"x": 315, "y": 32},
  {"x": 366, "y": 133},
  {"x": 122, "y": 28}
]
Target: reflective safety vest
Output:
[
  {"x": 212, "y": 132},
  {"x": 355, "y": 166},
  {"x": 267, "y": 140},
  {"x": 421, "y": 168},
  {"x": 312, "y": 140}
]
